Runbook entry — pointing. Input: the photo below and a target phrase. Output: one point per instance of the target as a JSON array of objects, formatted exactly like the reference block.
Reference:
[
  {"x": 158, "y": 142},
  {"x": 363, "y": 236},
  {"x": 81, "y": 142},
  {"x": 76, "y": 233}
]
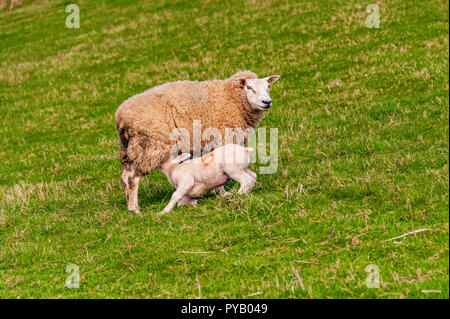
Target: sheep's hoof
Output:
[
  {"x": 135, "y": 211},
  {"x": 163, "y": 212}
]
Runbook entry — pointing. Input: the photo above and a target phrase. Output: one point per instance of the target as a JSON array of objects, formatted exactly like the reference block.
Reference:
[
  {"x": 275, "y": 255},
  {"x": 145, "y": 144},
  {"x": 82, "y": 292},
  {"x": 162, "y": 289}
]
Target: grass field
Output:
[{"x": 362, "y": 117}]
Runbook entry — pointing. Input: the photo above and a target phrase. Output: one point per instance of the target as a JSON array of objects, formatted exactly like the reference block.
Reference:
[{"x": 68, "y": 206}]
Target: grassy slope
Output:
[{"x": 362, "y": 117}]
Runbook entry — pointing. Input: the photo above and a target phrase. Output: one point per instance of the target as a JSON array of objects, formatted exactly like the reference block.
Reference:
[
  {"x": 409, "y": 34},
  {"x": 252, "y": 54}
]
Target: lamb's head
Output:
[{"x": 257, "y": 91}]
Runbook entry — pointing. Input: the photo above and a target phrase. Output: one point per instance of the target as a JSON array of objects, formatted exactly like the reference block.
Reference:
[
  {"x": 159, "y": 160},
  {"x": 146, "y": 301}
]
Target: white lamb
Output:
[{"x": 197, "y": 176}]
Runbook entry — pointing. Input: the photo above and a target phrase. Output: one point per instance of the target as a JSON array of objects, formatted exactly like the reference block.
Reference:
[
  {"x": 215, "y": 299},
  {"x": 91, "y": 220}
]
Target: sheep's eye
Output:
[{"x": 249, "y": 88}]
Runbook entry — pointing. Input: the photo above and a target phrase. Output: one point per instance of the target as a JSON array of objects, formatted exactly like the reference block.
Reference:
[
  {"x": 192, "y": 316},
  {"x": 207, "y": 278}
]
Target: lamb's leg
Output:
[
  {"x": 183, "y": 188},
  {"x": 251, "y": 173},
  {"x": 223, "y": 192},
  {"x": 176, "y": 197},
  {"x": 187, "y": 201},
  {"x": 130, "y": 182},
  {"x": 242, "y": 177}
]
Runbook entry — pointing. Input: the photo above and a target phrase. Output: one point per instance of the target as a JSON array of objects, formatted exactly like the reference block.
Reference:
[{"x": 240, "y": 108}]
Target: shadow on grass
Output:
[
  {"x": 158, "y": 195},
  {"x": 151, "y": 195}
]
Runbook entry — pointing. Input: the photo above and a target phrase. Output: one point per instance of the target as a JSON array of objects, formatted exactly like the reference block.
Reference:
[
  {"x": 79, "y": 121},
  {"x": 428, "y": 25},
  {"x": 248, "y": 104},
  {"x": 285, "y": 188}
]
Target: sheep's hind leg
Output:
[
  {"x": 221, "y": 190},
  {"x": 251, "y": 173},
  {"x": 130, "y": 181}
]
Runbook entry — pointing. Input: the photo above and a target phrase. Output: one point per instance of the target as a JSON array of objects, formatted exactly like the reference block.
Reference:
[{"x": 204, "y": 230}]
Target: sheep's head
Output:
[{"x": 257, "y": 91}]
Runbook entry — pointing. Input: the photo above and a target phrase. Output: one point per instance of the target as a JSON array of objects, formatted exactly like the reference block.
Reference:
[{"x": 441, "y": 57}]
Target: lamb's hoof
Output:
[
  {"x": 194, "y": 202},
  {"x": 135, "y": 211},
  {"x": 162, "y": 213},
  {"x": 244, "y": 191}
]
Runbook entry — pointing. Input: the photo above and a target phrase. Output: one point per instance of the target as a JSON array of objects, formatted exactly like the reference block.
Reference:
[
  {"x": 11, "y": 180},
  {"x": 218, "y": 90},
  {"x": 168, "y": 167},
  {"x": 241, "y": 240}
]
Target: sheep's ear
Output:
[
  {"x": 242, "y": 82},
  {"x": 272, "y": 79},
  {"x": 181, "y": 158}
]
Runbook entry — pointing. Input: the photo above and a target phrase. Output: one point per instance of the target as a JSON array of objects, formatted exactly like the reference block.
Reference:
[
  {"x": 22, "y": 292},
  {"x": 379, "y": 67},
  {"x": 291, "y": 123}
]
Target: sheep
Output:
[
  {"x": 146, "y": 121},
  {"x": 195, "y": 177}
]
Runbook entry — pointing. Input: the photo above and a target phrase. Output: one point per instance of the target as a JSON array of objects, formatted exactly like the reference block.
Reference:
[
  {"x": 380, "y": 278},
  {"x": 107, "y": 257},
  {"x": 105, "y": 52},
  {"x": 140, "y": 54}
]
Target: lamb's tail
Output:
[{"x": 249, "y": 149}]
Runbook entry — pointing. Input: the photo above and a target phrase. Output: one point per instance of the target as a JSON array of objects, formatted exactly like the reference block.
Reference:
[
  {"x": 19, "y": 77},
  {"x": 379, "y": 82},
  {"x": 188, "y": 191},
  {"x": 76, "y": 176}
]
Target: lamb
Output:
[
  {"x": 146, "y": 121},
  {"x": 195, "y": 177}
]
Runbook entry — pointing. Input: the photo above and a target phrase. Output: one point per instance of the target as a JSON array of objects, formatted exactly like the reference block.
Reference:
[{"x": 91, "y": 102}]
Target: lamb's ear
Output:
[
  {"x": 272, "y": 79},
  {"x": 181, "y": 158},
  {"x": 242, "y": 82}
]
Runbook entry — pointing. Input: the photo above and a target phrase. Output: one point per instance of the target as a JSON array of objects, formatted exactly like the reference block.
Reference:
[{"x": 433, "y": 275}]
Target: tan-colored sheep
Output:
[{"x": 145, "y": 121}]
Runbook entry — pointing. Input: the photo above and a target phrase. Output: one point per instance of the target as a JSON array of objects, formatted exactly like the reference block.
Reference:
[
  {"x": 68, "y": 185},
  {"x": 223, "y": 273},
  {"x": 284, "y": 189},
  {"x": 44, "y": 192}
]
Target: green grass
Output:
[{"x": 362, "y": 116}]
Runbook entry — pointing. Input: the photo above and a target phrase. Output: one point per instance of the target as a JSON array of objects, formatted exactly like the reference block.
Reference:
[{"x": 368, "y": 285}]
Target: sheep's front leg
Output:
[
  {"x": 183, "y": 189},
  {"x": 130, "y": 182},
  {"x": 176, "y": 197}
]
